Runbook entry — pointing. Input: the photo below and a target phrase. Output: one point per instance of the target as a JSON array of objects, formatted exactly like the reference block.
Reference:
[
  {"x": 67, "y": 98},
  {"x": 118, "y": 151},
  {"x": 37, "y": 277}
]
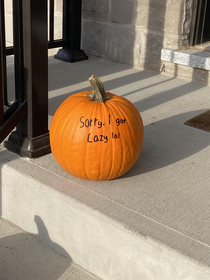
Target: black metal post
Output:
[
  {"x": 3, "y": 52},
  {"x": 71, "y": 52},
  {"x": 51, "y": 25},
  {"x": 1, "y": 88},
  {"x": 1, "y": 63},
  {"x": 32, "y": 136},
  {"x": 18, "y": 50},
  {"x": 1, "y": 95}
]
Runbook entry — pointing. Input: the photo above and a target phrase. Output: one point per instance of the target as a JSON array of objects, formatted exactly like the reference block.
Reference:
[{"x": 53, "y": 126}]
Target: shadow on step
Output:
[{"x": 24, "y": 256}]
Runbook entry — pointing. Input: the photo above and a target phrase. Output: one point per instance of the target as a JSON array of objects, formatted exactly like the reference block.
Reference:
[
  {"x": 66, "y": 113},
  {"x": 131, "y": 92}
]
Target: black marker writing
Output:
[
  {"x": 90, "y": 122},
  {"x": 97, "y": 138}
]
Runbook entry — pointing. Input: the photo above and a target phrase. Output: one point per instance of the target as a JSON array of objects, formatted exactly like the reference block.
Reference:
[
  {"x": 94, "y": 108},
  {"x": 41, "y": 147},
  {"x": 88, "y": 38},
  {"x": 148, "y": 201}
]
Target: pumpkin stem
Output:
[{"x": 99, "y": 93}]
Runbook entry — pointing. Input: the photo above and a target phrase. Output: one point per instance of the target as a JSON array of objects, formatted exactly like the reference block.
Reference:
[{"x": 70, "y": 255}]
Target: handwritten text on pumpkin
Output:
[{"x": 91, "y": 138}]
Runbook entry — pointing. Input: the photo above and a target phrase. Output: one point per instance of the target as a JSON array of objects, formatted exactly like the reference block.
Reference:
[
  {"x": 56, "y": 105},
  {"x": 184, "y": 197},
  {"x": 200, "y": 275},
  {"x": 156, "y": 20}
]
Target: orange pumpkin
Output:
[{"x": 95, "y": 134}]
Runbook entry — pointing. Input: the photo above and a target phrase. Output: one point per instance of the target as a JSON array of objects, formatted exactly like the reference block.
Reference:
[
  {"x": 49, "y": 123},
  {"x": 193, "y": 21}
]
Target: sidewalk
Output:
[{"x": 152, "y": 223}]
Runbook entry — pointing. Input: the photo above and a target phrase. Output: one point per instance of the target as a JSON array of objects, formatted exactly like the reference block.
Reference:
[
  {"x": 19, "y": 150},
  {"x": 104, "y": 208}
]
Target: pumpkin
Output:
[{"x": 95, "y": 134}]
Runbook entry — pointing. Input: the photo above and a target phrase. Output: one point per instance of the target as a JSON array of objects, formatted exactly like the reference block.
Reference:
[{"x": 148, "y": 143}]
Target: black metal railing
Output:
[
  {"x": 29, "y": 112},
  {"x": 71, "y": 33},
  {"x": 9, "y": 116}
]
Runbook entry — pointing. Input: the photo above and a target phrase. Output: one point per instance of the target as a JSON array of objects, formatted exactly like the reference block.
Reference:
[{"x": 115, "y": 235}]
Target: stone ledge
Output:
[{"x": 191, "y": 57}]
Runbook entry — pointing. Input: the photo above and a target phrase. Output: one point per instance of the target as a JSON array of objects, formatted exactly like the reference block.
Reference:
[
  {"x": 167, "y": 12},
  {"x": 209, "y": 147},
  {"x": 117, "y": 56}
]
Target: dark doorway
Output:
[{"x": 200, "y": 32}]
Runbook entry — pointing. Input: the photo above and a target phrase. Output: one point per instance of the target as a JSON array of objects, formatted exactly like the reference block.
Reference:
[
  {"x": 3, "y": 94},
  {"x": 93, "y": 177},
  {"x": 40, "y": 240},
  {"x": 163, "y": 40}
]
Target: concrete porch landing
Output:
[{"x": 151, "y": 224}]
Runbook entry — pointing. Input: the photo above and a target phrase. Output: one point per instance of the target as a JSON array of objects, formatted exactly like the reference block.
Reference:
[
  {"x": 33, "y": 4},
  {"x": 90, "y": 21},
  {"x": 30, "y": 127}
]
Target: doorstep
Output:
[
  {"x": 192, "y": 63},
  {"x": 153, "y": 222}
]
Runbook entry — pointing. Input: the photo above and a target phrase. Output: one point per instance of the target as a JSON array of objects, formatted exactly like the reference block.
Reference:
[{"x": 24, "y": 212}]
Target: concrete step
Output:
[
  {"x": 191, "y": 63},
  {"x": 150, "y": 224},
  {"x": 24, "y": 256}
]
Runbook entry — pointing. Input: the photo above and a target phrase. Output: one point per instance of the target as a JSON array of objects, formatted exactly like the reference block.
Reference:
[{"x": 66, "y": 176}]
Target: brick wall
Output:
[{"x": 135, "y": 31}]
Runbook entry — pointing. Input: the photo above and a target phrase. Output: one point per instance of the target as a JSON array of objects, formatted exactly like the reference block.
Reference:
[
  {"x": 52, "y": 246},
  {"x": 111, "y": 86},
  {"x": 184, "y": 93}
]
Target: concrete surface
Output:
[
  {"x": 23, "y": 256},
  {"x": 150, "y": 224}
]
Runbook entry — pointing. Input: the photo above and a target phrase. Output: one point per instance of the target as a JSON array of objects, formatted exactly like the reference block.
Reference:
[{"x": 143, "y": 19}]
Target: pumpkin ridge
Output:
[
  {"x": 119, "y": 174},
  {"x": 94, "y": 108},
  {"x": 57, "y": 116},
  {"x": 127, "y": 113},
  {"x": 113, "y": 150},
  {"x": 102, "y": 150},
  {"x": 75, "y": 131},
  {"x": 106, "y": 109},
  {"x": 115, "y": 104},
  {"x": 71, "y": 163},
  {"x": 135, "y": 139},
  {"x": 84, "y": 151},
  {"x": 65, "y": 118},
  {"x": 103, "y": 112}
]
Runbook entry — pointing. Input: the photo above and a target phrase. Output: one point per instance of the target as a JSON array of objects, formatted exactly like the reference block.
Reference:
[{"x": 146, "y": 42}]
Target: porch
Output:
[{"x": 152, "y": 223}]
